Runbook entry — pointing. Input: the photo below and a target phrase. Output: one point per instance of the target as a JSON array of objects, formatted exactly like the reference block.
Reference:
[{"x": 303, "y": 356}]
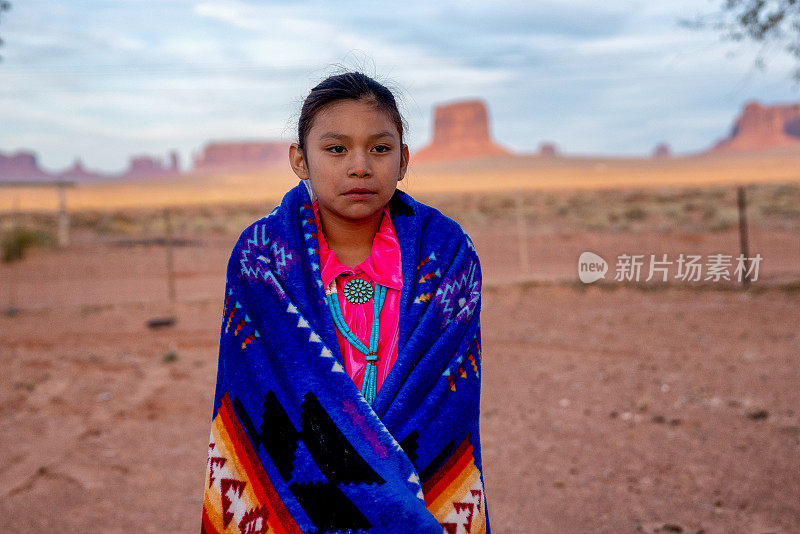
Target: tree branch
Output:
[{"x": 774, "y": 21}]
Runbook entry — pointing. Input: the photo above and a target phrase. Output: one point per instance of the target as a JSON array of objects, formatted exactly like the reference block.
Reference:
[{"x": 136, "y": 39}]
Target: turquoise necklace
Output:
[{"x": 358, "y": 294}]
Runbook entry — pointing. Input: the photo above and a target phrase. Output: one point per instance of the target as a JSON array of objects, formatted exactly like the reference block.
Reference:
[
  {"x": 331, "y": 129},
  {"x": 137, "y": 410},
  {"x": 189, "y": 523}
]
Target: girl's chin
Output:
[{"x": 358, "y": 213}]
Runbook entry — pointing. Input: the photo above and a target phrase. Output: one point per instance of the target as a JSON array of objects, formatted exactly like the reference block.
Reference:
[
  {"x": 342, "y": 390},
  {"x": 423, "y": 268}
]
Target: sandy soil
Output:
[
  {"x": 627, "y": 411},
  {"x": 605, "y": 408}
]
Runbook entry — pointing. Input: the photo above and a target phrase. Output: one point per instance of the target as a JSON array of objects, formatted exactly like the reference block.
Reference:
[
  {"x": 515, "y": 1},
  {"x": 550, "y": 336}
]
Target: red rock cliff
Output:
[
  {"x": 662, "y": 150},
  {"x": 460, "y": 131},
  {"x": 145, "y": 166},
  {"x": 242, "y": 156},
  {"x": 21, "y": 166},
  {"x": 79, "y": 173},
  {"x": 762, "y": 126}
]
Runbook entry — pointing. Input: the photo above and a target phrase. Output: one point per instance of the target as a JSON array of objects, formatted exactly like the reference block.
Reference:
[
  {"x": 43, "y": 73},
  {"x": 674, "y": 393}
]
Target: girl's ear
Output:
[
  {"x": 404, "y": 157},
  {"x": 298, "y": 161}
]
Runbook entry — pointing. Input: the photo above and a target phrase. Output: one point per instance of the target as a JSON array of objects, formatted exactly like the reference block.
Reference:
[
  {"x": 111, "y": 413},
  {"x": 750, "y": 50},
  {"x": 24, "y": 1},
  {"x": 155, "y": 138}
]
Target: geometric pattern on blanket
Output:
[
  {"x": 240, "y": 497},
  {"x": 460, "y": 368},
  {"x": 454, "y": 493},
  {"x": 316, "y": 462},
  {"x": 233, "y": 504}
]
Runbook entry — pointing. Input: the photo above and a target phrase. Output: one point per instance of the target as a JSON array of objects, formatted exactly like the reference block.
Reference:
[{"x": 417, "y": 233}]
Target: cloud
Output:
[{"x": 163, "y": 73}]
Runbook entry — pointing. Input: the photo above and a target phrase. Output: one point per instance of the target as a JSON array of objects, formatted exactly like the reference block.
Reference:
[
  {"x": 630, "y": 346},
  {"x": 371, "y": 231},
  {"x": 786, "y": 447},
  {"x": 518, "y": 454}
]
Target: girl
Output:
[{"x": 348, "y": 383}]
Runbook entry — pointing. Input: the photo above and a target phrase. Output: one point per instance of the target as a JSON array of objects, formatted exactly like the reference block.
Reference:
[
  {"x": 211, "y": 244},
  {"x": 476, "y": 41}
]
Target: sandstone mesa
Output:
[{"x": 461, "y": 130}]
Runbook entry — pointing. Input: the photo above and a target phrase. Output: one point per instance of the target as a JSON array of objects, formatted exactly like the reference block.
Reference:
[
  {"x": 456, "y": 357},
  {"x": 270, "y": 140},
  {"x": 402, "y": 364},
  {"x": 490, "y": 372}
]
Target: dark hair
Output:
[{"x": 350, "y": 85}]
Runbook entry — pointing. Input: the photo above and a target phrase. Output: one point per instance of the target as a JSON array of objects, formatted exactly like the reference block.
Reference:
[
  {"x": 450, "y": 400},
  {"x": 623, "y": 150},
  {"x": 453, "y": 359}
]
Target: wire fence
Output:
[
  {"x": 654, "y": 236},
  {"x": 540, "y": 236}
]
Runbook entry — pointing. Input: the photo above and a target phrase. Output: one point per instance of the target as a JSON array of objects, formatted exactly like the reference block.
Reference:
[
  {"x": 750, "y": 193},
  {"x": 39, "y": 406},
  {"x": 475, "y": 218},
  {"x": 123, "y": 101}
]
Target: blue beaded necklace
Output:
[{"x": 359, "y": 294}]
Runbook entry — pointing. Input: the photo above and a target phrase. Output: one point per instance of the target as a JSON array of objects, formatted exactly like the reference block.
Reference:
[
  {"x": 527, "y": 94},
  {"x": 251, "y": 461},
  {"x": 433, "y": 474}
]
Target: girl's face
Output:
[{"x": 353, "y": 158}]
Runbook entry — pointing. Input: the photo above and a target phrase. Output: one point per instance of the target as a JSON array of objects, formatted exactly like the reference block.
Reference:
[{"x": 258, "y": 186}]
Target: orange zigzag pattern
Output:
[
  {"x": 454, "y": 494},
  {"x": 239, "y": 496}
]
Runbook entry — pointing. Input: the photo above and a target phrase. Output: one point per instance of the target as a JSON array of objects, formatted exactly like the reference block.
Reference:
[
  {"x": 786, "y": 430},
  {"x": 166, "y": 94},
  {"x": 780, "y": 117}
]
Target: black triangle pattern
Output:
[{"x": 324, "y": 502}]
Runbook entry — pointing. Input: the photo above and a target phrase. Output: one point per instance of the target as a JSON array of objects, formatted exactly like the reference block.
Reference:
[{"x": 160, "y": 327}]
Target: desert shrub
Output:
[
  {"x": 88, "y": 220},
  {"x": 495, "y": 205},
  {"x": 19, "y": 240},
  {"x": 118, "y": 223},
  {"x": 723, "y": 219},
  {"x": 635, "y": 213},
  {"x": 709, "y": 212}
]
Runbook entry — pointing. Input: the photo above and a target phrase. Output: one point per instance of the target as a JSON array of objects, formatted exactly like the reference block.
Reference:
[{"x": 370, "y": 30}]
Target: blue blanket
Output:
[{"x": 294, "y": 445}]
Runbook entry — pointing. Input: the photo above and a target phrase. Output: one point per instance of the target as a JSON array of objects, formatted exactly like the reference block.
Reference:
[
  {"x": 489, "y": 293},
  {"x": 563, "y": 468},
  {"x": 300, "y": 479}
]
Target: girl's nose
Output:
[{"x": 359, "y": 164}]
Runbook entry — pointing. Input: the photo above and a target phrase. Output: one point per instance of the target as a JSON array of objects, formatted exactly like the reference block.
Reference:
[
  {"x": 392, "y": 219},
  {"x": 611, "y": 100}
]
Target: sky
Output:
[{"x": 104, "y": 80}]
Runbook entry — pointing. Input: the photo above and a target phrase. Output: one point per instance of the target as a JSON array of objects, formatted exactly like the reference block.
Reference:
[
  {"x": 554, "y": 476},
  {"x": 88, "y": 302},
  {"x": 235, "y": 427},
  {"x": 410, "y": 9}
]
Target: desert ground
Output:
[{"x": 614, "y": 407}]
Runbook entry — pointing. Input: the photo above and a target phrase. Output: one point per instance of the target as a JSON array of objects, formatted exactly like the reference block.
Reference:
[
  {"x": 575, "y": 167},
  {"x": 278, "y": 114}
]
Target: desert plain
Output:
[{"x": 611, "y": 407}]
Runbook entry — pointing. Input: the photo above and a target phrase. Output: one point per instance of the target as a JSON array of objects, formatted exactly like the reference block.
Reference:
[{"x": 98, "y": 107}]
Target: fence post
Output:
[
  {"x": 12, "y": 266},
  {"x": 63, "y": 216},
  {"x": 170, "y": 261},
  {"x": 522, "y": 233},
  {"x": 740, "y": 200}
]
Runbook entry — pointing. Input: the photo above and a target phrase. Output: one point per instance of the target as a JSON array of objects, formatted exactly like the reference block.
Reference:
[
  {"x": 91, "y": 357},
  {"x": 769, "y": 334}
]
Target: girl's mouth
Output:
[{"x": 359, "y": 194}]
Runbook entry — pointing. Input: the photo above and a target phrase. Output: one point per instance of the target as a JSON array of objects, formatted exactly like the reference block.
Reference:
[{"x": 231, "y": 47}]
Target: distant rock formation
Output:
[
  {"x": 760, "y": 127},
  {"x": 460, "y": 131},
  {"x": 216, "y": 157},
  {"x": 21, "y": 165},
  {"x": 242, "y": 156},
  {"x": 662, "y": 150},
  {"x": 145, "y": 166},
  {"x": 548, "y": 150},
  {"x": 79, "y": 173}
]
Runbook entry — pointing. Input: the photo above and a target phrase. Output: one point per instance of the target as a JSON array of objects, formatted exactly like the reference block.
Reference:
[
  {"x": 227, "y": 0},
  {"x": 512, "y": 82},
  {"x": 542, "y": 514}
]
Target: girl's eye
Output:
[
  {"x": 335, "y": 150},
  {"x": 382, "y": 148}
]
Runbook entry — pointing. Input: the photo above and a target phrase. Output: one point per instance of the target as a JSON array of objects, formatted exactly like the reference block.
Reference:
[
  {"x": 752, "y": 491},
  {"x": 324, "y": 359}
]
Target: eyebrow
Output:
[{"x": 334, "y": 135}]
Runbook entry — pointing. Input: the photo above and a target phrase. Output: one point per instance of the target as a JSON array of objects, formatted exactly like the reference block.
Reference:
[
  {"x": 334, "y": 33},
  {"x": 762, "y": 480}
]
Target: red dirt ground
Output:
[{"x": 605, "y": 408}]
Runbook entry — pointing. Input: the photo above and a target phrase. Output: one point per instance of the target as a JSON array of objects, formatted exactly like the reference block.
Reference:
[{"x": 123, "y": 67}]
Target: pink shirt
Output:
[{"x": 383, "y": 265}]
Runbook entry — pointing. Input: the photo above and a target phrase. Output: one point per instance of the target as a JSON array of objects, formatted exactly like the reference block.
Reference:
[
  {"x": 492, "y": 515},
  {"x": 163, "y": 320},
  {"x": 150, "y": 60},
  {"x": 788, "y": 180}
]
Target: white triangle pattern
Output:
[
  {"x": 313, "y": 337},
  {"x": 325, "y": 352}
]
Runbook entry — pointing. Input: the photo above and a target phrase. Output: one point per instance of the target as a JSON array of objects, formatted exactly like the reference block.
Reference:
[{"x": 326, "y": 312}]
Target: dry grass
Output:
[
  {"x": 662, "y": 209},
  {"x": 659, "y": 209}
]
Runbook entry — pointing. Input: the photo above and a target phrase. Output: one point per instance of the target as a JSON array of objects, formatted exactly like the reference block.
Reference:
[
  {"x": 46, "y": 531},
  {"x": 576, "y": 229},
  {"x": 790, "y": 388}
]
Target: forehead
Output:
[{"x": 351, "y": 116}]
